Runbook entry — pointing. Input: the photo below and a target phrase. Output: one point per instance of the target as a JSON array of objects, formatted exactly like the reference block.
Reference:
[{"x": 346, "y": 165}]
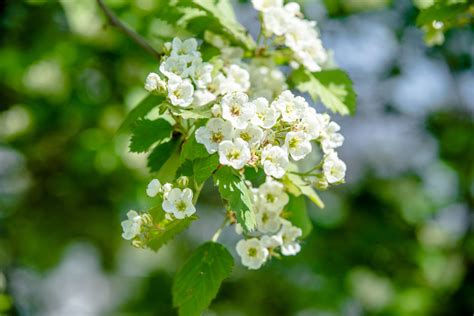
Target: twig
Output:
[
  {"x": 127, "y": 31},
  {"x": 219, "y": 230}
]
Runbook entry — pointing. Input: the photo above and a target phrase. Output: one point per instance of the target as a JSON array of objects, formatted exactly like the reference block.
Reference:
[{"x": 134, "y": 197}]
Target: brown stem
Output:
[{"x": 113, "y": 20}]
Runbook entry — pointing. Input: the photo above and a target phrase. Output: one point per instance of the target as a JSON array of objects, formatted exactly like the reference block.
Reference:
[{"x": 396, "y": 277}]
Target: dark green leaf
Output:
[
  {"x": 145, "y": 133},
  {"x": 442, "y": 12},
  {"x": 196, "y": 284},
  {"x": 192, "y": 150},
  {"x": 233, "y": 189},
  {"x": 142, "y": 109},
  {"x": 298, "y": 214},
  {"x": 162, "y": 153},
  {"x": 204, "y": 167}
]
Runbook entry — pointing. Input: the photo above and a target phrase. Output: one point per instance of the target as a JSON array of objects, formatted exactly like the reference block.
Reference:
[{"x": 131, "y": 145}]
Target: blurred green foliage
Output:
[{"x": 66, "y": 82}]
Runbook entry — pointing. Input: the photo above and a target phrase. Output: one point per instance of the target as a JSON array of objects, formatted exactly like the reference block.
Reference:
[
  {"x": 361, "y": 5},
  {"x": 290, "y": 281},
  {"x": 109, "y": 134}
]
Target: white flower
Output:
[
  {"x": 262, "y": 5},
  {"x": 271, "y": 242},
  {"x": 274, "y": 161},
  {"x": 275, "y": 20},
  {"x": 297, "y": 144},
  {"x": 180, "y": 92},
  {"x": 290, "y": 107},
  {"x": 268, "y": 221},
  {"x": 186, "y": 47},
  {"x": 216, "y": 131},
  {"x": 235, "y": 154},
  {"x": 174, "y": 66},
  {"x": 166, "y": 188},
  {"x": 216, "y": 110},
  {"x": 238, "y": 79},
  {"x": 179, "y": 203},
  {"x": 132, "y": 226},
  {"x": 252, "y": 253},
  {"x": 311, "y": 123},
  {"x": 237, "y": 110},
  {"x": 288, "y": 235},
  {"x": 202, "y": 75},
  {"x": 334, "y": 169},
  {"x": 271, "y": 195},
  {"x": 252, "y": 134},
  {"x": 154, "y": 83},
  {"x": 330, "y": 138},
  {"x": 293, "y": 8},
  {"x": 202, "y": 97},
  {"x": 265, "y": 115},
  {"x": 153, "y": 188},
  {"x": 238, "y": 229}
]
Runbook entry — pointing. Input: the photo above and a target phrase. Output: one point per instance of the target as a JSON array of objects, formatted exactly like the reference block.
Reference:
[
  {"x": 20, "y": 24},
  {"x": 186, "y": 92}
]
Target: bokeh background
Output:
[{"x": 395, "y": 240}]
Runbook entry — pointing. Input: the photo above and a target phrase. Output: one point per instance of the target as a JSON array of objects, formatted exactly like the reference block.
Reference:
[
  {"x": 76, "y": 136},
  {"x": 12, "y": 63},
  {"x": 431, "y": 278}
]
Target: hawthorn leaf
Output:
[
  {"x": 142, "y": 109},
  {"x": 234, "y": 190},
  {"x": 298, "y": 214},
  {"x": 298, "y": 186},
  {"x": 204, "y": 167},
  {"x": 196, "y": 284},
  {"x": 146, "y": 132}
]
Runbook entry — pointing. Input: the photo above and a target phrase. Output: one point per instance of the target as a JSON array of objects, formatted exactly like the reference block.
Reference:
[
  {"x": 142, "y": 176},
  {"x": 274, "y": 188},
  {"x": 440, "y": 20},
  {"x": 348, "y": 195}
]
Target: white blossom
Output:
[
  {"x": 180, "y": 91},
  {"x": 289, "y": 235},
  {"x": 202, "y": 97},
  {"x": 216, "y": 131},
  {"x": 179, "y": 203},
  {"x": 202, "y": 75},
  {"x": 238, "y": 79},
  {"x": 271, "y": 195},
  {"x": 237, "y": 110},
  {"x": 275, "y": 20},
  {"x": 274, "y": 161},
  {"x": 311, "y": 123},
  {"x": 268, "y": 221},
  {"x": 186, "y": 47},
  {"x": 262, "y": 5},
  {"x": 330, "y": 138},
  {"x": 297, "y": 144},
  {"x": 252, "y": 253},
  {"x": 174, "y": 66},
  {"x": 334, "y": 169},
  {"x": 251, "y": 134},
  {"x": 271, "y": 242},
  {"x": 153, "y": 188},
  {"x": 234, "y": 153},
  {"x": 154, "y": 83},
  {"x": 265, "y": 114},
  {"x": 290, "y": 107},
  {"x": 132, "y": 226}
]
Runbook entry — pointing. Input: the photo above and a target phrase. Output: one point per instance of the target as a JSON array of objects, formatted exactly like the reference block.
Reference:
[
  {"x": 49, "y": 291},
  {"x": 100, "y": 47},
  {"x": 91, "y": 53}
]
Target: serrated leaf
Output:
[
  {"x": 145, "y": 133},
  {"x": 192, "y": 150},
  {"x": 196, "y": 284},
  {"x": 333, "y": 87},
  {"x": 165, "y": 229},
  {"x": 233, "y": 189},
  {"x": 193, "y": 114},
  {"x": 298, "y": 214},
  {"x": 204, "y": 167},
  {"x": 297, "y": 186},
  {"x": 161, "y": 154},
  {"x": 142, "y": 109}
]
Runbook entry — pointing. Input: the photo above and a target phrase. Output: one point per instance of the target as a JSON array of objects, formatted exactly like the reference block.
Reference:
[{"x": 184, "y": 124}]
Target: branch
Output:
[{"x": 113, "y": 20}]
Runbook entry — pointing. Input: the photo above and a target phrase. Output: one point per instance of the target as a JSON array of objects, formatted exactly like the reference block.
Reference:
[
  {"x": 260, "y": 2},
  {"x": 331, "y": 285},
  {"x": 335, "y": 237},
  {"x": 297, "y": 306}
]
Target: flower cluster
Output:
[
  {"x": 275, "y": 234},
  {"x": 287, "y": 24},
  {"x": 258, "y": 133},
  {"x": 177, "y": 202}
]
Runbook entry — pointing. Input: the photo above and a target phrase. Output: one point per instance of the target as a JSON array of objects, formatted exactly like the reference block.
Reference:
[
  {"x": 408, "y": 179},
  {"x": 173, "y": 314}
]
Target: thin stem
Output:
[
  {"x": 219, "y": 230},
  {"x": 113, "y": 20}
]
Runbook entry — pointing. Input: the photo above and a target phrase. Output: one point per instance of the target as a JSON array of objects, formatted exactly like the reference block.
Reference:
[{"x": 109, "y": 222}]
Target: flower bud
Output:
[{"x": 182, "y": 181}]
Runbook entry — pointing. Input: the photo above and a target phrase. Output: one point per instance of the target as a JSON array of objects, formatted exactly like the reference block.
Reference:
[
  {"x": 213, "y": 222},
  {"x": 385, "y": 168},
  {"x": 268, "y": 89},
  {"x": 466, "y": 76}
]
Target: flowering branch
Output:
[{"x": 113, "y": 20}]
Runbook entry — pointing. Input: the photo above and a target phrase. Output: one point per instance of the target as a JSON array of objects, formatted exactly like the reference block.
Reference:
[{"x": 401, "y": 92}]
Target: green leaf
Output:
[
  {"x": 162, "y": 153},
  {"x": 223, "y": 13},
  {"x": 234, "y": 190},
  {"x": 192, "y": 149},
  {"x": 204, "y": 167},
  {"x": 196, "y": 284},
  {"x": 333, "y": 87},
  {"x": 165, "y": 229},
  {"x": 145, "y": 133},
  {"x": 297, "y": 186},
  {"x": 299, "y": 214},
  {"x": 442, "y": 12},
  {"x": 142, "y": 109}
]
